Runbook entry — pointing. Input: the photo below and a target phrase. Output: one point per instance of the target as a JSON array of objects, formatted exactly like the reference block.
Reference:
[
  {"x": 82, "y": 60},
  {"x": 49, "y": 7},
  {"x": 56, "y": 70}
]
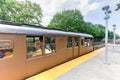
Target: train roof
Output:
[{"x": 10, "y": 27}]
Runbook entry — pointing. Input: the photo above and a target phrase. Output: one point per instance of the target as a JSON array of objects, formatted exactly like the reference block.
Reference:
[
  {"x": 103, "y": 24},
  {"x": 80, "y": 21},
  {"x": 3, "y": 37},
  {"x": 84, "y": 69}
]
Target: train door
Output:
[
  {"x": 70, "y": 50},
  {"x": 75, "y": 47},
  {"x": 82, "y": 47}
]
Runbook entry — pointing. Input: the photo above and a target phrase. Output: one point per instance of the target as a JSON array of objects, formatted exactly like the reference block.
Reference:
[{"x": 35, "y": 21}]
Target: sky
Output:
[{"x": 90, "y": 9}]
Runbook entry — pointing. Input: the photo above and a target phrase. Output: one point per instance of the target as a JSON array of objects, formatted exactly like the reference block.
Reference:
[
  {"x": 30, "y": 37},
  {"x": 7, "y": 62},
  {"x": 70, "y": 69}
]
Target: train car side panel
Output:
[
  {"x": 13, "y": 67},
  {"x": 43, "y": 62}
]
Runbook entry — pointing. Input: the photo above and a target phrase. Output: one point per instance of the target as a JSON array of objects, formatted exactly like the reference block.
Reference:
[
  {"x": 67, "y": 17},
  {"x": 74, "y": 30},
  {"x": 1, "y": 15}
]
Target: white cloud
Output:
[
  {"x": 85, "y": 7},
  {"x": 50, "y": 7}
]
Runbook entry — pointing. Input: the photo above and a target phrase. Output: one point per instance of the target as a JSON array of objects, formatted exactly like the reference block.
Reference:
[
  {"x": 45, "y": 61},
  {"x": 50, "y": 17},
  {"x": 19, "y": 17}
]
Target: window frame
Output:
[
  {"x": 82, "y": 41},
  {"x": 89, "y": 42},
  {"x": 71, "y": 42},
  {"x": 6, "y": 48},
  {"x": 34, "y": 44},
  {"x": 76, "y": 42},
  {"x": 53, "y": 45}
]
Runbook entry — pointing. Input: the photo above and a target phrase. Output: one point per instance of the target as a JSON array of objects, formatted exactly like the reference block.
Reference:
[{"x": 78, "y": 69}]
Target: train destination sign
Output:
[{"x": 6, "y": 44}]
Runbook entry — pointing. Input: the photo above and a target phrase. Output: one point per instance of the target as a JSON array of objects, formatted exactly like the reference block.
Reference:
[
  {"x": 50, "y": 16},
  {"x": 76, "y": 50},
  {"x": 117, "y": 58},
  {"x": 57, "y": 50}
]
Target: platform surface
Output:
[
  {"x": 57, "y": 72},
  {"x": 96, "y": 69}
]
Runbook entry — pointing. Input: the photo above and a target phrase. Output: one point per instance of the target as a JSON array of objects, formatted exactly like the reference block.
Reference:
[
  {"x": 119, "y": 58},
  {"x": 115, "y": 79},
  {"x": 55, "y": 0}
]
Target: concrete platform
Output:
[
  {"x": 95, "y": 69},
  {"x": 54, "y": 73}
]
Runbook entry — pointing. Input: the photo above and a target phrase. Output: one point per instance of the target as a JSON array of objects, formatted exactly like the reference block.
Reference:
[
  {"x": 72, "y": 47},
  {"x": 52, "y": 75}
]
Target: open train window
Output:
[
  {"x": 88, "y": 42},
  {"x": 91, "y": 41},
  {"x": 50, "y": 46},
  {"x": 6, "y": 48},
  {"x": 34, "y": 46},
  {"x": 82, "y": 41},
  {"x": 69, "y": 42},
  {"x": 76, "y": 39}
]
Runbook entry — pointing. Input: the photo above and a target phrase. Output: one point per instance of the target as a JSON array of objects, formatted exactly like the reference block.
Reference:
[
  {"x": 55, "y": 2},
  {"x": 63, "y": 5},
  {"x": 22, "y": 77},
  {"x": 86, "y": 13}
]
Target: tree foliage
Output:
[
  {"x": 22, "y": 12},
  {"x": 72, "y": 20},
  {"x": 118, "y": 7}
]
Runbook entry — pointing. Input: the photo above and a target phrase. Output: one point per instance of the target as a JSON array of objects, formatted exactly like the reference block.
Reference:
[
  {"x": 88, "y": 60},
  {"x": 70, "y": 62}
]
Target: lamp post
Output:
[
  {"x": 114, "y": 28},
  {"x": 107, "y": 12}
]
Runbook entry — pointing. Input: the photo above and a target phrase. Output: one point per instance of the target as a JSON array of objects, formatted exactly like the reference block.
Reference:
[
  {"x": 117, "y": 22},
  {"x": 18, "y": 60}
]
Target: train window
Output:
[
  {"x": 6, "y": 48},
  {"x": 76, "y": 39},
  {"x": 50, "y": 45},
  {"x": 69, "y": 42},
  {"x": 91, "y": 41},
  {"x": 34, "y": 46},
  {"x": 82, "y": 42},
  {"x": 88, "y": 42}
]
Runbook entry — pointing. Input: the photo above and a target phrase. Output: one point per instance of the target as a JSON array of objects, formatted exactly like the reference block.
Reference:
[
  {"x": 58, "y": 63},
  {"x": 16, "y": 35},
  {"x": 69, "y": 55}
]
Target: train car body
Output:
[{"x": 27, "y": 50}]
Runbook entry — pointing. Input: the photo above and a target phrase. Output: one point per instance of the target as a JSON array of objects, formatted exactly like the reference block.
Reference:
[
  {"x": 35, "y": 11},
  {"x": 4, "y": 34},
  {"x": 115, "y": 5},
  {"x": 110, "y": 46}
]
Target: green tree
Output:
[
  {"x": 110, "y": 35},
  {"x": 117, "y": 36},
  {"x": 97, "y": 30},
  {"x": 118, "y": 7},
  {"x": 21, "y": 12},
  {"x": 71, "y": 20}
]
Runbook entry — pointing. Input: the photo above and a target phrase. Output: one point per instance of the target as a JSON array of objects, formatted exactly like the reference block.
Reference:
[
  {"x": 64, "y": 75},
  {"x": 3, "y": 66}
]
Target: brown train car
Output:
[{"x": 26, "y": 50}]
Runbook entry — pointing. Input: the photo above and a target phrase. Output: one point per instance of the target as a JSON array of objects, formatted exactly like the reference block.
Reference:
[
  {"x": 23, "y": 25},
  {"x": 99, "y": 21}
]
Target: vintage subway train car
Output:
[{"x": 26, "y": 50}]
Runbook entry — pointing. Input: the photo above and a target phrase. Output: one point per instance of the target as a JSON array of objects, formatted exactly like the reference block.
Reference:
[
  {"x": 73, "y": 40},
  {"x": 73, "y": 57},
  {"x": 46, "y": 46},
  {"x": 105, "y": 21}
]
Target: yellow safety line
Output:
[{"x": 55, "y": 72}]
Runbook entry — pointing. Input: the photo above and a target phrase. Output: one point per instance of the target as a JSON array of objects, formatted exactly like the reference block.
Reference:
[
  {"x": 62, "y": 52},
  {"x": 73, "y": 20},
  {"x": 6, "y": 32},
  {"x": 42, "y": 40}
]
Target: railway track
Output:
[{"x": 98, "y": 45}]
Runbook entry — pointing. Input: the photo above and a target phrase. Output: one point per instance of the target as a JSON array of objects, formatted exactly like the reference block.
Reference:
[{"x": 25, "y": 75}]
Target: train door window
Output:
[
  {"x": 50, "y": 46},
  {"x": 76, "y": 39},
  {"x": 34, "y": 46},
  {"x": 86, "y": 42},
  {"x": 69, "y": 42},
  {"x": 82, "y": 41},
  {"x": 6, "y": 48}
]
